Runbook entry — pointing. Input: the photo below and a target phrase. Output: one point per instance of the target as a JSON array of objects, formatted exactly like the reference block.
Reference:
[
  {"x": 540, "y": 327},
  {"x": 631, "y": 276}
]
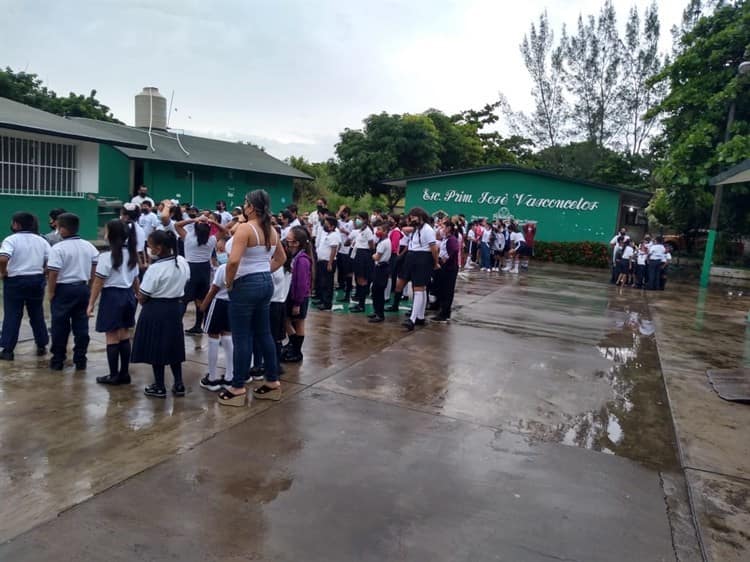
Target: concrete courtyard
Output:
[{"x": 535, "y": 426}]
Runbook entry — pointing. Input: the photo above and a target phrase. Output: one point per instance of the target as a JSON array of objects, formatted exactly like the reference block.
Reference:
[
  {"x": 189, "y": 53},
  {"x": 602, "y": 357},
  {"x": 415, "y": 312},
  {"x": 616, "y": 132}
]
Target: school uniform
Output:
[
  {"x": 343, "y": 260},
  {"x": 419, "y": 262},
  {"x": 656, "y": 259},
  {"x": 326, "y": 242},
  {"x": 53, "y": 237},
  {"x": 449, "y": 262},
  {"x": 217, "y": 316},
  {"x": 362, "y": 254},
  {"x": 281, "y": 283},
  {"x": 627, "y": 256},
  {"x": 148, "y": 222},
  {"x": 485, "y": 250},
  {"x": 199, "y": 262},
  {"x": 520, "y": 247},
  {"x": 640, "y": 266},
  {"x": 27, "y": 254},
  {"x": 159, "y": 339},
  {"x": 72, "y": 259},
  {"x": 117, "y": 305},
  {"x": 381, "y": 273}
]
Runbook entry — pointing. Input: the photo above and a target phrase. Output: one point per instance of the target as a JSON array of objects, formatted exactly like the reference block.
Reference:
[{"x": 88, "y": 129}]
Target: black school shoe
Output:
[
  {"x": 155, "y": 391},
  {"x": 41, "y": 351},
  {"x": 194, "y": 331},
  {"x": 408, "y": 324},
  {"x": 6, "y": 355},
  {"x": 356, "y": 308},
  {"x": 55, "y": 366},
  {"x": 178, "y": 389},
  {"x": 113, "y": 380},
  {"x": 376, "y": 320},
  {"x": 81, "y": 366},
  {"x": 420, "y": 322},
  {"x": 291, "y": 357}
]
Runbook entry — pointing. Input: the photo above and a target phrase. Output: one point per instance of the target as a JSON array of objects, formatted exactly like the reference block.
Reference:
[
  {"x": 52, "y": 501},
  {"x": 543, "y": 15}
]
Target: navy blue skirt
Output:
[
  {"x": 116, "y": 309},
  {"x": 363, "y": 263},
  {"x": 217, "y": 318},
  {"x": 159, "y": 338}
]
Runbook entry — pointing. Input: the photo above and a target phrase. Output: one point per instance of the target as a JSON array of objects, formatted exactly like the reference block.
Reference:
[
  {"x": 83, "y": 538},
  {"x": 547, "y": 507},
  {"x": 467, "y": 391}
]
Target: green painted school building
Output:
[
  {"x": 565, "y": 209},
  {"x": 92, "y": 167}
]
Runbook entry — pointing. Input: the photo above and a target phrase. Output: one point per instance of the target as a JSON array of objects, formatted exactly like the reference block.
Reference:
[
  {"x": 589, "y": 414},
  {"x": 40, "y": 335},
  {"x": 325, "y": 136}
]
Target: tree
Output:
[
  {"x": 703, "y": 81},
  {"x": 460, "y": 145},
  {"x": 28, "y": 89},
  {"x": 544, "y": 63}
]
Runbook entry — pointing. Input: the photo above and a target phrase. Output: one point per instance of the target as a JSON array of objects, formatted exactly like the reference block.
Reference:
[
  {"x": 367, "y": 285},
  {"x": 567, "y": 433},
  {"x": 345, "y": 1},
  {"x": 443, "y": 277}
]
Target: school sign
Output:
[{"x": 565, "y": 209}]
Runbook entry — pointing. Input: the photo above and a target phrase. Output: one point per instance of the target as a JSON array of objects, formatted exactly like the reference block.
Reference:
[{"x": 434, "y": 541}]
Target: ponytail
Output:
[
  {"x": 172, "y": 240},
  {"x": 121, "y": 235},
  {"x": 262, "y": 204},
  {"x": 132, "y": 246}
]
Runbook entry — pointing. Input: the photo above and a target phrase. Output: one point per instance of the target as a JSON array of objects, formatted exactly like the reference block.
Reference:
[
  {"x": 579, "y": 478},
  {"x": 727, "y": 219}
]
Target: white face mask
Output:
[{"x": 153, "y": 256}]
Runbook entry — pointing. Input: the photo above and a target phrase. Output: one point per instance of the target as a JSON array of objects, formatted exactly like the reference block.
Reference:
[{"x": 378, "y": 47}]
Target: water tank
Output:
[{"x": 151, "y": 107}]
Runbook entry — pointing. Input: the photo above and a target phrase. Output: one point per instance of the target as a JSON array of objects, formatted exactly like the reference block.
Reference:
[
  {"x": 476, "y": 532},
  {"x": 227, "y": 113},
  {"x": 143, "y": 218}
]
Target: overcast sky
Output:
[{"x": 289, "y": 75}]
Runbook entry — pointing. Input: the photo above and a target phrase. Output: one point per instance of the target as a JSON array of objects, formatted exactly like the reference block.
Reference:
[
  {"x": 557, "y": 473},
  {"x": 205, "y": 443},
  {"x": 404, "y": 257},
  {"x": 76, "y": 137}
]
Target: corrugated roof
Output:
[
  {"x": 200, "y": 150},
  {"x": 736, "y": 174},
  {"x": 401, "y": 182},
  {"x": 21, "y": 117}
]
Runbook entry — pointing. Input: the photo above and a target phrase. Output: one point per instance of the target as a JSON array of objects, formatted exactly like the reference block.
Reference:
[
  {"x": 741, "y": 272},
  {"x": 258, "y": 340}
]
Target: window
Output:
[{"x": 32, "y": 167}]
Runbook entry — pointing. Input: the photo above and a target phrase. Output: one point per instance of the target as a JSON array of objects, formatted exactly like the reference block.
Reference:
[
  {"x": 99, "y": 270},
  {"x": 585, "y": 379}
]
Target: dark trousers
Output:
[
  {"x": 394, "y": 263},
  {"x": 344, "y": 265},
  {"x": 69, "y": 312},
  {"x": 654, "y": 274},
  {"x": 19, "y": 292},
  {"x": 640, "y": 276},
  {"x": 325, "y": 283},
  {"x": 379, "y": 283},
  {"x": 446, "y": 290}
]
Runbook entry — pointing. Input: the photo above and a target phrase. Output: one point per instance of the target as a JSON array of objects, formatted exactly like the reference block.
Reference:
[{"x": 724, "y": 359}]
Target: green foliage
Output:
[
  {"x": 28, "y": 89},
  {"x": 591, "y": 254}
]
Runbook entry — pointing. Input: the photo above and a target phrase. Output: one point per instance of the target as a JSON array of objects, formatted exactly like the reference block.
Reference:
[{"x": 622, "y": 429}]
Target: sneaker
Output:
[
  {"x": 484, "y": 269},
  {"x": 506, "y": 268},
  {"x": 6, "y": 355},
  {"x": 514, "y": 270},
  {"x": 195, "y": 331},
  {"x": 495, "y": 269},
  {"x": 178, "y": 389},
  {"x": 155, "y": 391},
  {"x": 209, "y": 384}
]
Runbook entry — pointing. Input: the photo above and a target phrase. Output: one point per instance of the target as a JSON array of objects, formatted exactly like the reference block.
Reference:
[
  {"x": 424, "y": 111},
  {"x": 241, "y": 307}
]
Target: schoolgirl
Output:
[
  {"x": 116, "y": 280},
  {"x": 471, "y": 248},
  {"x": 363, "y": 247},
  {"x": 158, "y": 338},
  {"x": 130, "y": 213},
  {"x": 449, "y": 261},
  {"x": 298, "y": 243},
  {"x": 329, "y": 241},
  {"x": 641, "y": 260},
  {"x": 485, "y": 246},
  {"x": 498, "y": 245},
  {"x": 624, "y": 276},
  {"x": 421, "y": 259},
  {"x": 381, "y": 272},
  {"x": 343, "y": 258},
  {"x": 403, "y": 248},
  {"x": 518, "y": 249},
  {"x": 215, "y": 307},
  {"x": 199, "y": 247}
]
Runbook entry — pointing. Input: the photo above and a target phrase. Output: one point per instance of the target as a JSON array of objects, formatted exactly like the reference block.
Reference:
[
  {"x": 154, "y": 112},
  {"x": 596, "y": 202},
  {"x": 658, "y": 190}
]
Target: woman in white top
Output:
[
  {"x": 255, "y": 252},
  {"x": 199, "y": 246},
  {"x": 116, "y": 279},
  {"x": 421, "y": 259},
  {"x": 363, "y": 247}
]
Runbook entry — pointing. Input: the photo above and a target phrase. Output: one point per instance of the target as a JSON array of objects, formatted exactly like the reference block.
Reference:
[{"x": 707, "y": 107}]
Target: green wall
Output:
[
  {"x": 566, "y": 211},
  {"x": 166, "y": 180},
  {"x": 114, "y": 173},
  {"x": 86, "y": 209}
]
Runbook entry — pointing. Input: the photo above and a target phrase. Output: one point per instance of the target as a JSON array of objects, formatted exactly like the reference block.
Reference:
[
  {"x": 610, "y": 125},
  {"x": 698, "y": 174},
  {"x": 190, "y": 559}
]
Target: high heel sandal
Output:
[
  {"x": 227, "y": 398},
  {"x": 266, "y": 392}
]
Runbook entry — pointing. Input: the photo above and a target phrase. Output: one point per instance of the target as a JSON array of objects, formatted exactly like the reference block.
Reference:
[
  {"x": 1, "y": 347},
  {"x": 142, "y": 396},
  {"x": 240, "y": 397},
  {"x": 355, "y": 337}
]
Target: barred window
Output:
[{"x": 32, "y": 167}]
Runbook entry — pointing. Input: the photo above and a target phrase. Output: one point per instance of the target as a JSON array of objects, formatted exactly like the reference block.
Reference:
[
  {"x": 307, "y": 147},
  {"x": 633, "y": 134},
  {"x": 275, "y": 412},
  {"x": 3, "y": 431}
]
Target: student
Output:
[
  {"x": 614, "y": 244},
  {"x": 657, "y": 255},
  {"x": 421, "y": 260},
  {"x": 298, "y": 242},
  {"x": 485, "y": 246},
  {"x": 71, "y": 267},
  {"x": 626, "y": 256},
  {"x": 132, "y": 213},
  {"x": 471, "y": 236},
  {"x": 363, "y": 247},
  {"x": 148, "y": 221},
  {"x": 403, "y": 248},
  {"x": 381, "y": 273},
  {"x": 640, "y": 265},
  {"x": 498, "y": 244},
  {"x": 158, "y": 339},
  {"x": 281, "y": 278},
  {"x": 329, "y": 241},
  {"x": 116, "y": 279},
  {"x": 53, "y": 237},
  {"x": 215, "y": 307},
  {"x": 343, "y": 258},
  {"x": 518, "y": 250},
  {"x": 225, "y": 217},
  {"x": 199, "y": 247},
  {"x": 449, "y": 262},
  {"x": 23, "y": 256}
]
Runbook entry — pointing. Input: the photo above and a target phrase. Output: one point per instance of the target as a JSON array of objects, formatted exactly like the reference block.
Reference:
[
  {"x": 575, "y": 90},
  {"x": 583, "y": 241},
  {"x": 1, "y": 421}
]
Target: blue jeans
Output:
[
  {"x": 20, "y": 291},
  {"x": 250, "y": 318},
  {"x": 484, "y": 248}
]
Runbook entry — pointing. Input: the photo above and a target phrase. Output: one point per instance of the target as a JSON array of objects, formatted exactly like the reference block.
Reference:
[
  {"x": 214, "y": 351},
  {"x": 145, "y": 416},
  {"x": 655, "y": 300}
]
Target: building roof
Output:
[
  {"x": 198, "y": 150},
  {"x": 20, "y": 117},
  {"x": 630, "y": 193},
  {"x": 736, "y": 174}
]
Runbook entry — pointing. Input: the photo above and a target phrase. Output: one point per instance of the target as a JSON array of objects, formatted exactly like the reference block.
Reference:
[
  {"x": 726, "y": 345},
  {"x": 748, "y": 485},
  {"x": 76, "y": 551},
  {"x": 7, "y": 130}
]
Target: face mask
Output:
[
  {"x": 380, "y": 234},
  {"x": 358, "y": 223},
  {"x": 153, "y": 256},
  {"x": 222, "y": 258}
]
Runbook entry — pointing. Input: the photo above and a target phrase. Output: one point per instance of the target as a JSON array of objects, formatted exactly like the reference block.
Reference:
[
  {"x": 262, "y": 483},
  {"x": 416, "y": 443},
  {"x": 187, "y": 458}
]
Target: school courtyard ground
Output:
[{"x": 555, "y": 418}]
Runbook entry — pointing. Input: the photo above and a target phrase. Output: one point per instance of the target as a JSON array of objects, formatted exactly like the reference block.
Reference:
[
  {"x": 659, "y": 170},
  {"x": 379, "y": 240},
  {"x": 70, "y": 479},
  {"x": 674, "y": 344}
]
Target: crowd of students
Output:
[{"x": 641, "y": 265}]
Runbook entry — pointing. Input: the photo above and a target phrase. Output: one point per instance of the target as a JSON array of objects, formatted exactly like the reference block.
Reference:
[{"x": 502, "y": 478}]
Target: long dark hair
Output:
[
  {"x": 365, "y": 220},
  {"x": 262, "y": 204},
  {"x": 202, "y": 232},
  {"x": 122, "y": 236},
  {"x": 165, "y": 239},
  {"x": 301, "y": 235}
]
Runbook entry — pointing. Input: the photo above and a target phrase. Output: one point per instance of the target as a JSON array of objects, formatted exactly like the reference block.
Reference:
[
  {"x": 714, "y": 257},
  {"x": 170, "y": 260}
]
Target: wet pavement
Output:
[{"x": 534, "y": 426}]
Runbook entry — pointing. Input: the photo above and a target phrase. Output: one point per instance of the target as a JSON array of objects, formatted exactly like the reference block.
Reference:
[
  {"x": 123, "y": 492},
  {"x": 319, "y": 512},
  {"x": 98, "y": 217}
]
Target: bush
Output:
[{"x": 591, "y": 254}]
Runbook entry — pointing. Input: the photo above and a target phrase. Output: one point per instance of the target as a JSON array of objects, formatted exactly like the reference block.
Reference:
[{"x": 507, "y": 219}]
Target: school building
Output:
[
  {"x": 92, "y": 167},
  {"x": 566, "y": 209}
]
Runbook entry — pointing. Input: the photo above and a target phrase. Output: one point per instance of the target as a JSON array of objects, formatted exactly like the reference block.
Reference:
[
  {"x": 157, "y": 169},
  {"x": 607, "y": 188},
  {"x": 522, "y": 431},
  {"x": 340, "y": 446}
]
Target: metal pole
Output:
[{"x": 711, "y": 240}]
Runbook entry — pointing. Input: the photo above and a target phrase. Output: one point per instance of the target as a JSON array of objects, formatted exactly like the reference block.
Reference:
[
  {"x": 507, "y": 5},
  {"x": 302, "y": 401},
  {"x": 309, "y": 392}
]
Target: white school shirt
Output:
[
  {"x": 667, "y": 257},
  {"x": 657, "y": 252},
  {"x": 628, "y": 252},
  {"x": 315, "y": 226},
  {"x": 122, "y": 278},
  {"x": 362, "y": 238},
  {"x": 328, "y": 240},
  {"x": 443, "y": 254},
  {"x": 345, "y": 228},
  {"x": 517, "y": 239},
  {"x": 148, "y": 223},
  {"x": 499, "y": 244},
  {"x": 383, "y": 249},
  {"x": 422, "y": 239},
  {"x": 282, "y": 280},
  {"x": 72, "y": 259},
  {"x": 163, "y": 280},
  {"x": 168, "y": 228},
  {"x": 26, "y": 252},
  {"x": 220, "y": 280},
  {"x": 290, "y": 226},
  {"x": 195, "y": 253},
  {"x": 140, "y": 238},
  {"x": 642, "y": 256},
  {"x": 226, "y": 217},
  {"x": 471, "y": 235},
  {"x": 404, "y": 242},
  {"x": 486, "y": 235}
]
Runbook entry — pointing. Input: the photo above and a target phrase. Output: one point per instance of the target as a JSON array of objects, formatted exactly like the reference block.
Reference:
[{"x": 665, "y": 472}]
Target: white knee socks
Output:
[
  {"x": 213, "y": 357},
  {"x": 418, "y": 306},
  {"x": 226, "y": 343}
]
